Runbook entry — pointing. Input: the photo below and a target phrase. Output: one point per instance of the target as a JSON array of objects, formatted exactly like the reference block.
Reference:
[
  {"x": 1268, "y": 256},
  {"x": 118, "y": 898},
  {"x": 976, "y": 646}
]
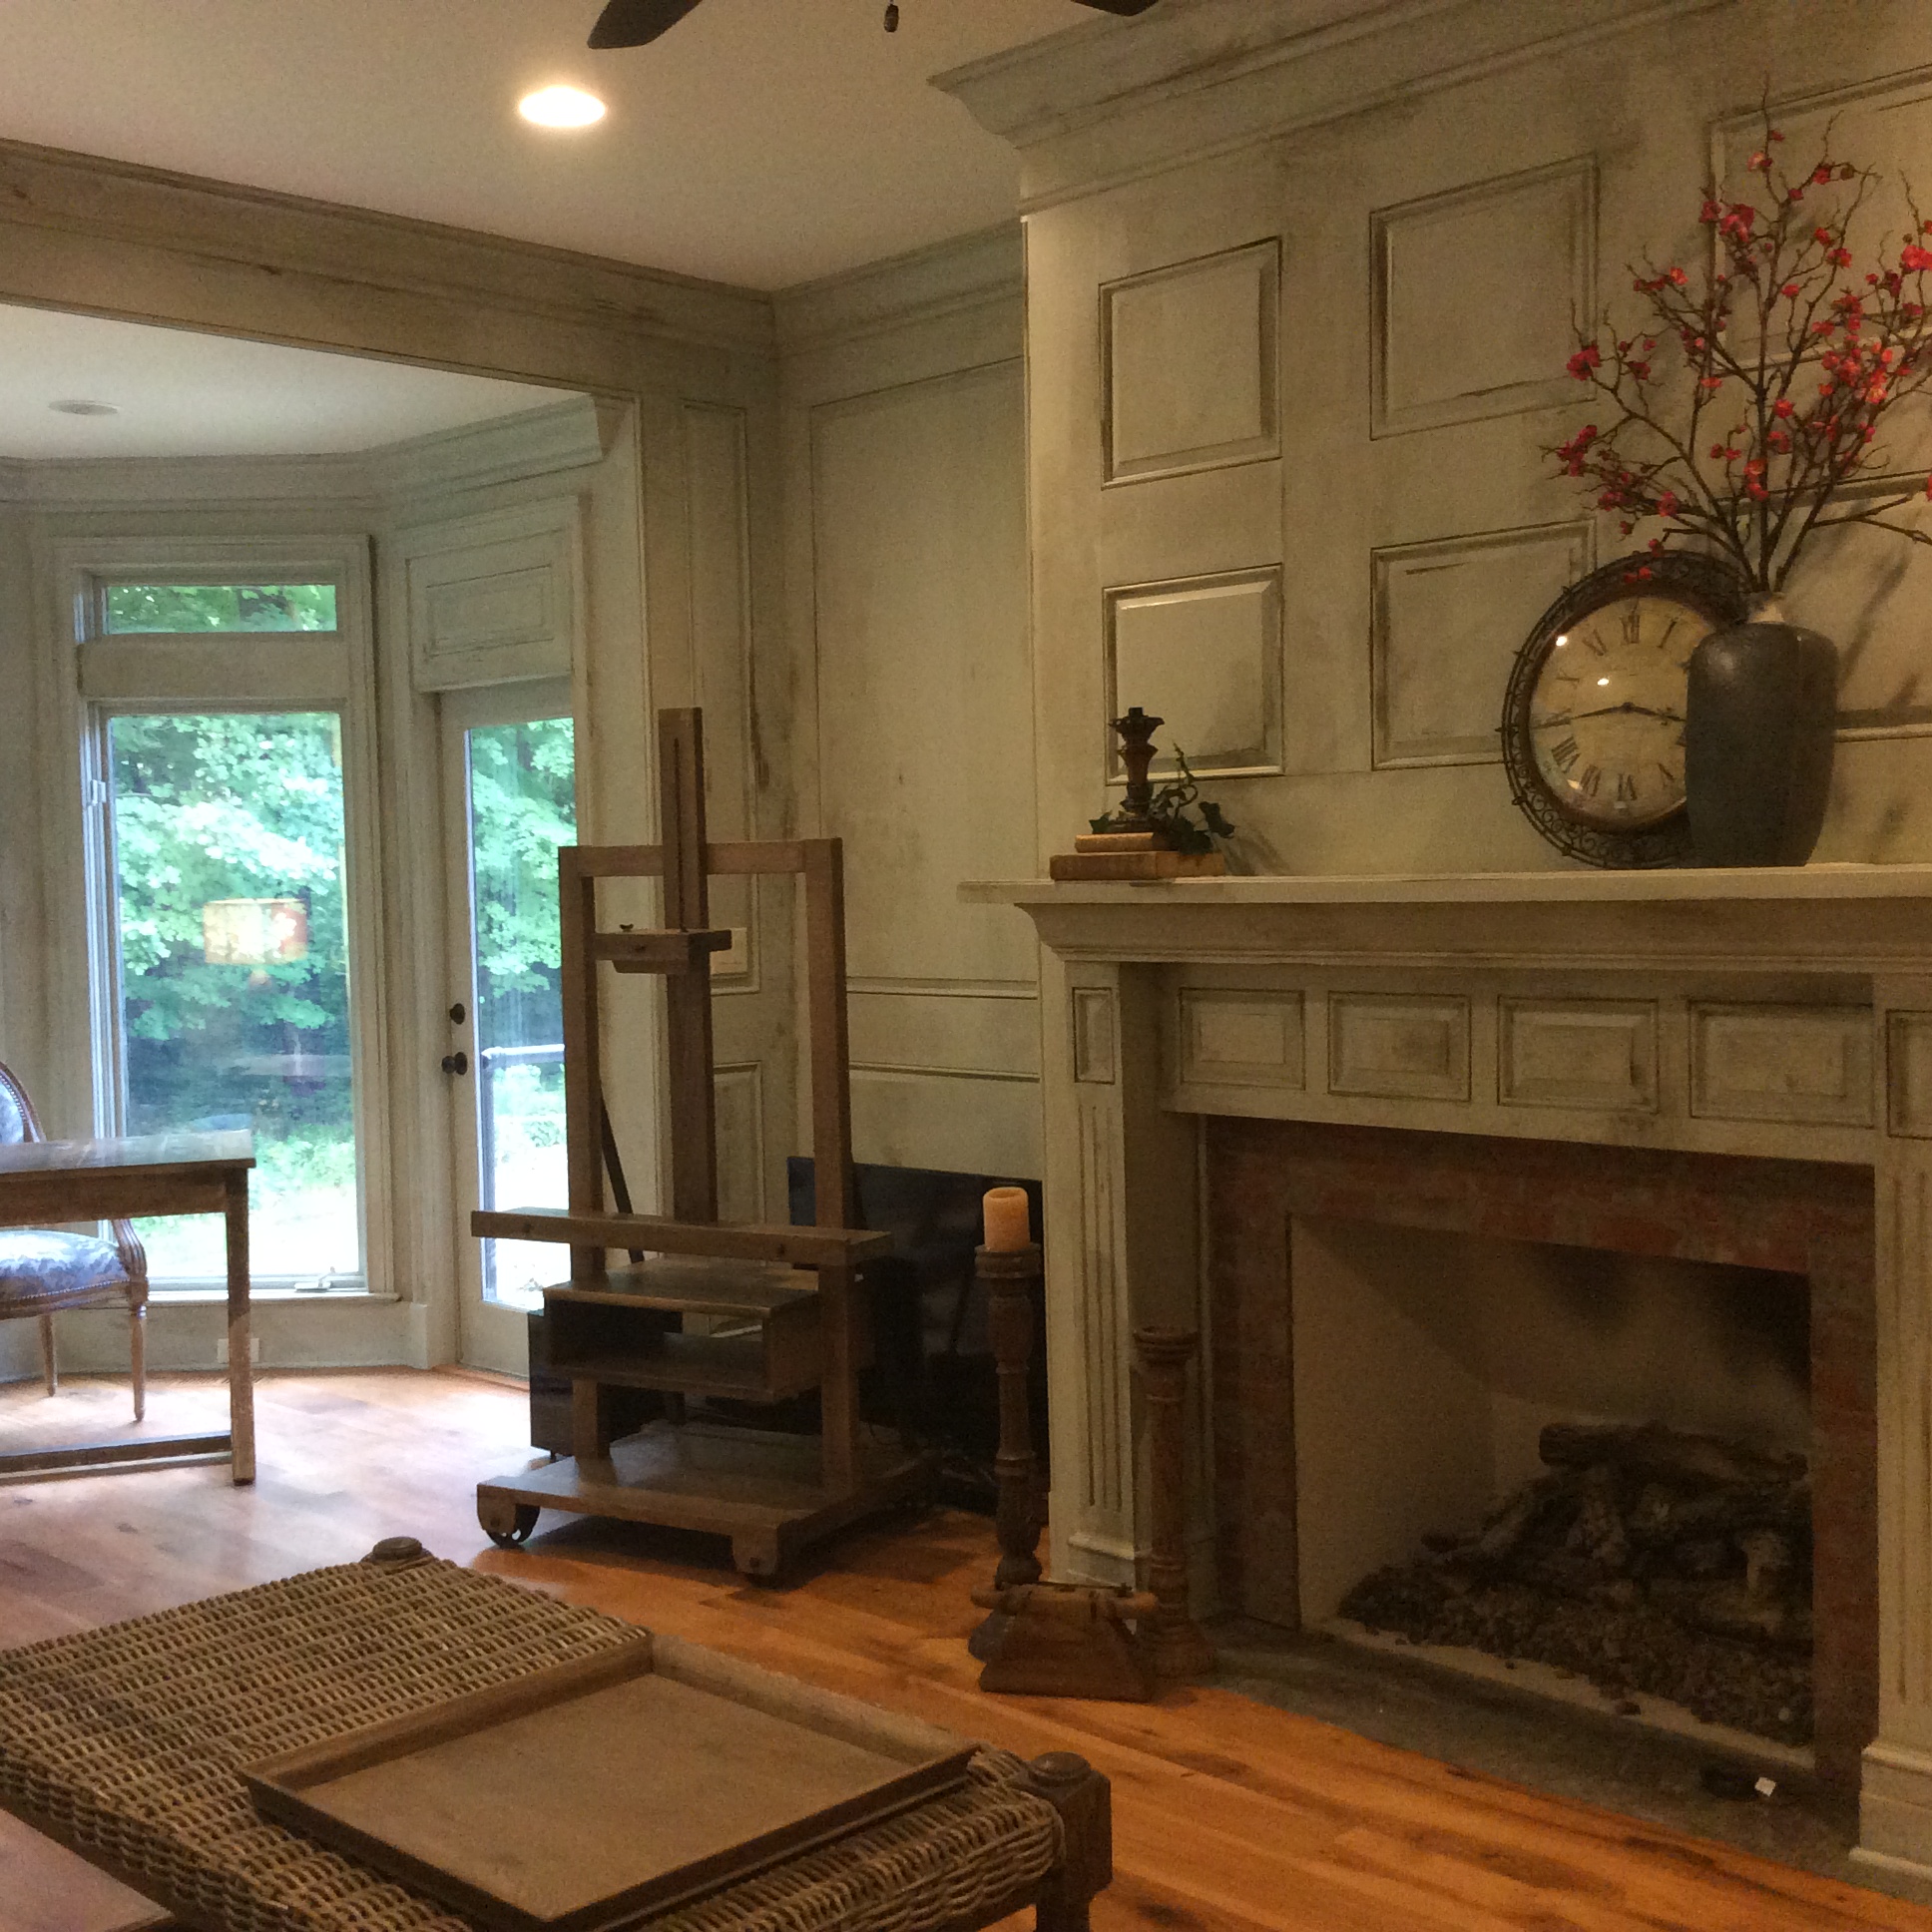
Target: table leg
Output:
[{"x": 241, "y": 1368}]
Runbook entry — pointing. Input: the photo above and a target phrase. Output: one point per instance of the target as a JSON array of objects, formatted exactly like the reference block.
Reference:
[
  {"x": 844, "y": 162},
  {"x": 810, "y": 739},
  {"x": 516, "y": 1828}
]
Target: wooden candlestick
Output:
[
  {"x": 1043, "y": 1638},
  {"x": 1179, "y": 1648},
  {"x": 1136, "y": 731},
  {"x": 1009, "y": 1274}
]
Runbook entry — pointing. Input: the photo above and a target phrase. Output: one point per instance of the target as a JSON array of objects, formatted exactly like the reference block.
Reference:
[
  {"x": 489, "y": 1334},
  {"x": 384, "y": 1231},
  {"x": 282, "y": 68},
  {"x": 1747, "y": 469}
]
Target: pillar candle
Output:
[{"x": 1008, "y": 1224}]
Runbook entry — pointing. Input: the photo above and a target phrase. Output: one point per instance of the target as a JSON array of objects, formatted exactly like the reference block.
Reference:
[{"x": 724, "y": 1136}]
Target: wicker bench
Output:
[{"x": 123, "y": 1745}]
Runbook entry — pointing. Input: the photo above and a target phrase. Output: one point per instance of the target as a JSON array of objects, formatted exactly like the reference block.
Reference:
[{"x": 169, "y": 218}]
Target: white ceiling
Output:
[
  {"x": 181, "y": 394},
  {"x": 761, "y": 142}
]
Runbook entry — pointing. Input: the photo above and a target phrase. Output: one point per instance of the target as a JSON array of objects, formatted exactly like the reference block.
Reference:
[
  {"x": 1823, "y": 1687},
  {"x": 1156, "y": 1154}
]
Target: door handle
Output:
[{"x": 456, "y": 1063}]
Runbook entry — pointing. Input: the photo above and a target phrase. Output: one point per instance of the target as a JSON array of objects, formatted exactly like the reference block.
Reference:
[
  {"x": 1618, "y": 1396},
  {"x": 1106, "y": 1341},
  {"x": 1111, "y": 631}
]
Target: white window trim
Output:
[{"x": 88, "y": 677}]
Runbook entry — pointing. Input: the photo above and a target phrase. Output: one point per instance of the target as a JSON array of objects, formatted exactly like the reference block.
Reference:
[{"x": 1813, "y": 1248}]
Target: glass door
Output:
[{"x": 509, "y": 777}]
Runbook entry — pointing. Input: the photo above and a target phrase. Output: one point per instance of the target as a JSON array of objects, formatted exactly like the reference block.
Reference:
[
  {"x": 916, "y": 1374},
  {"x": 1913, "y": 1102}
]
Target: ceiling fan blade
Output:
[
  {"x": 1118, "y": 6},
  {"x": 633, "y": 23}
]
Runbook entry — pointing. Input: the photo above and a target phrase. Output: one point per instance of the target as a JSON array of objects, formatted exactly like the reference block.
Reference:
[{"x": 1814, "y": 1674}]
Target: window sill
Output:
[{"x": 217, "y": 1296}]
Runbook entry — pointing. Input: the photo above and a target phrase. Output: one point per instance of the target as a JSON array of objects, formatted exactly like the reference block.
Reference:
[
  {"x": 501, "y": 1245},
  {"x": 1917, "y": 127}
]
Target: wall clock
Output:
[{"x": 1592, "y": 722}]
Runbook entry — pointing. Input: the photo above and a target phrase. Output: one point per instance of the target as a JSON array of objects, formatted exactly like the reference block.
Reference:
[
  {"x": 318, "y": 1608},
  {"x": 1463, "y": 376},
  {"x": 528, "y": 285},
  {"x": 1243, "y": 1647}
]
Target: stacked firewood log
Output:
[{"x": 1643, "y": 1558}]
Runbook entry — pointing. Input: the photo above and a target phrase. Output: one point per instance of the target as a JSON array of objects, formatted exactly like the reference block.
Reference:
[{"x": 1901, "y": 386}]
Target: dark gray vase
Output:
[{"x": 1760, "y": 719}]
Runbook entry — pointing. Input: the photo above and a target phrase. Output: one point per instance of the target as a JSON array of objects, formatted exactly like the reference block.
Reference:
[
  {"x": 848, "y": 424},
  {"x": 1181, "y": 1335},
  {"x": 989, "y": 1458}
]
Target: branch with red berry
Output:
[{"x": 1749, "y": 399}]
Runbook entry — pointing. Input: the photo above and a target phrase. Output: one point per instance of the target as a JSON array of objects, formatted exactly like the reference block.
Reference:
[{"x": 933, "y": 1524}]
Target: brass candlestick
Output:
[{"x": 1179, "y": 1648}]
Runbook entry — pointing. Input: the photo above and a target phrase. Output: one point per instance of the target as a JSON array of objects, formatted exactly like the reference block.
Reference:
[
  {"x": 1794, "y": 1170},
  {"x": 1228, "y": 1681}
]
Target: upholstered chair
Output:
[{"x": 42, "y": 1269}]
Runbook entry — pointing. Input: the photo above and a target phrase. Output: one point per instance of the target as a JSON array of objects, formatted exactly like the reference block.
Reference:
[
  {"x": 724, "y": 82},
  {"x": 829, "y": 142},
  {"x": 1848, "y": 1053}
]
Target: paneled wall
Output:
[
  {"x": 1289, "y": 401},
  {"x": 904, "y": 461}
]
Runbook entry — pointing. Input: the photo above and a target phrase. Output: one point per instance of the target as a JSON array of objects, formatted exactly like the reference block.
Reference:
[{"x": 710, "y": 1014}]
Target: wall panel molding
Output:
[
  {"x": 1190, "y": 356},
  {"x": 1204, "y": 654},
  {"x": 495, "y": 596},
  {"x": 1475, "y": 295},
  {"x": 1446, "y": 622}
]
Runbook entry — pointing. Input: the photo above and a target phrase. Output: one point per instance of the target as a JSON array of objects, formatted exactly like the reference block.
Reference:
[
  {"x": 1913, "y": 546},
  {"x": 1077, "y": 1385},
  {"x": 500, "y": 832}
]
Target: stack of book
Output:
[{"x": 1132, "y": 855}]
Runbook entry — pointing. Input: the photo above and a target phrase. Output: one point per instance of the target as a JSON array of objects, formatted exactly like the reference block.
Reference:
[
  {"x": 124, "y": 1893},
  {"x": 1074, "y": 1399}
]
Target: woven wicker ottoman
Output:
[{"x": 123, "y": 1743}]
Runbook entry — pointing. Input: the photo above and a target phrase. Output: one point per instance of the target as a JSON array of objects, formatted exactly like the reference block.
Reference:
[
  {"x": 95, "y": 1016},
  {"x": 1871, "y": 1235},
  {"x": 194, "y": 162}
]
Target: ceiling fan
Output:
[{"x": 634, "y": 23}]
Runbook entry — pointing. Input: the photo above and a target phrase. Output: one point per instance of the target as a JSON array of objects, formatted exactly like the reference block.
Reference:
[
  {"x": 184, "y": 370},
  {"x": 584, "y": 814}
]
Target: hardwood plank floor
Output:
[{"x": 1230, "y": 1816}]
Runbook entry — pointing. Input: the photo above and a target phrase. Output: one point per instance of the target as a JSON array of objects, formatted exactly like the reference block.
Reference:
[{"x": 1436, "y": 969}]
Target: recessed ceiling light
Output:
[
  {"x": 79, "y": 409},
  {"x": 561, "y": 107}
]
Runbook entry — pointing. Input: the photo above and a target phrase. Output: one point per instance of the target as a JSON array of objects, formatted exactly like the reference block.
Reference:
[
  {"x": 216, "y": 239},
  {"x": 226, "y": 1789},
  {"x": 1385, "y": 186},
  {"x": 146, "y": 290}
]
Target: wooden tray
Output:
[{"x": 586, "y": 1797}]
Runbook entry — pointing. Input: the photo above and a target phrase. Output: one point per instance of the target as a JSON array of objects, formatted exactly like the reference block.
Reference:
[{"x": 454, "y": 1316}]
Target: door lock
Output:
[{"x": 456, "y": 1063}]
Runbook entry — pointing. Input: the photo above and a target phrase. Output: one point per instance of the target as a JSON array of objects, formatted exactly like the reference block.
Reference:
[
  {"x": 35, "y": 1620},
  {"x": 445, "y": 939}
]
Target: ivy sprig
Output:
[{"x": 1167, "y": 811}]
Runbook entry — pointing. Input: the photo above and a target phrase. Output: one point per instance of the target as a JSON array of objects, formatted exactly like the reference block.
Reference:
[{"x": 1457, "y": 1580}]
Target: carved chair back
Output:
[{"x": 18, "y": 1121}]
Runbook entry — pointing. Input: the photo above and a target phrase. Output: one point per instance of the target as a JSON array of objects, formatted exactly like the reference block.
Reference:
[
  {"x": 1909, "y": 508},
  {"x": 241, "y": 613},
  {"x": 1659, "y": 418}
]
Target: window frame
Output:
[{"x": 99, "y": 675}]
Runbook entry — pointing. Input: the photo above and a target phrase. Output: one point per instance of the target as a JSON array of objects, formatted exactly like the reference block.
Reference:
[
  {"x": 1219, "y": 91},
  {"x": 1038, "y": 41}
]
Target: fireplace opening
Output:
[{"x": 1590, "y": 1463}]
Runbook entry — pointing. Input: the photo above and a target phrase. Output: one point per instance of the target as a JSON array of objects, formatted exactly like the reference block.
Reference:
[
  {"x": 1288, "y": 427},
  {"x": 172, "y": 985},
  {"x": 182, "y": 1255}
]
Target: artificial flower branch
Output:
[{"x": 1786, "y": 460}]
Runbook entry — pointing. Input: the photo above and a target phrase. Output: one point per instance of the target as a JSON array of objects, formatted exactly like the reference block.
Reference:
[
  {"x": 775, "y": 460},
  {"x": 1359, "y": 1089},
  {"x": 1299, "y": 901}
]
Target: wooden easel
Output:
[{"x": 782, "y": 1303}]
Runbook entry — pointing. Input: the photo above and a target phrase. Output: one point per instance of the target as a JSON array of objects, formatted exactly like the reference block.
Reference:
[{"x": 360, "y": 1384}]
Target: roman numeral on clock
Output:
[{"x": 1563, "y": 756}]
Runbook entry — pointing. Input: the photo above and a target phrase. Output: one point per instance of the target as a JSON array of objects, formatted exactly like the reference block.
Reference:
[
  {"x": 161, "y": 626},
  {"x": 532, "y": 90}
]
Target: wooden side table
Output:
[{"x": 45, "y": 1182}]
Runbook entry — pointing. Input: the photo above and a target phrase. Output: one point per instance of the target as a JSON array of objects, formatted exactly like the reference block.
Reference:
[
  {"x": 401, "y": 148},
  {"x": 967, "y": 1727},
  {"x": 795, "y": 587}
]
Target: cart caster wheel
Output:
[
  {"x": 507, "y": 1525},
  {"x": 756, "y": 1563}
]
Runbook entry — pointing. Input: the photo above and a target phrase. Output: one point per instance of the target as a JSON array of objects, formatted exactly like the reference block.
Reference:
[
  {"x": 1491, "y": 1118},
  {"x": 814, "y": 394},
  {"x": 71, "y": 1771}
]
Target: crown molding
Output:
[
  {"x": 571, "y": 434},
  {"x": 270, "y": 234},
  {"x": 79, "y": 484},
  {"x": 399, "y": 478},
  {"x": 1121, "y": 100},
  {"x": 925, "y": 284}
]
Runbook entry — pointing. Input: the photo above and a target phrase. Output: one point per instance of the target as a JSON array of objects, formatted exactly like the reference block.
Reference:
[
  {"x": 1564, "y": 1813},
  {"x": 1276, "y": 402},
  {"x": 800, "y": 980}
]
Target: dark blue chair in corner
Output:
[{"x": 43, "y": 1271}]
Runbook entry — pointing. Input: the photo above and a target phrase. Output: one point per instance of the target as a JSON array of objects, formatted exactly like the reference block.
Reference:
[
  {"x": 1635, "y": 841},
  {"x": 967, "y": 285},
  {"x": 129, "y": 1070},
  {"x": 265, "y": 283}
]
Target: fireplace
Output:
[
  {"x": 1731, "y": 1069},
  {"x": 1791, "y": 1219}
]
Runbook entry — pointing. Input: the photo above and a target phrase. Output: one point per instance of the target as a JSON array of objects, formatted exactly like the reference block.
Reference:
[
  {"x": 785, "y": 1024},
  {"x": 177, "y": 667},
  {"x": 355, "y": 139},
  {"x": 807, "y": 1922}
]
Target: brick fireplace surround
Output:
[
  {"x": 1720, "y": 1066},
  {"x": 1803, "y": 1217}
]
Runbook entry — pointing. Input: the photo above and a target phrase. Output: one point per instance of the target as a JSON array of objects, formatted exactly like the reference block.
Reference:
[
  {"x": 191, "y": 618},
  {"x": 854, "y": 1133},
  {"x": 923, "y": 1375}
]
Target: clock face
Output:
[
  {"x": 1605, "y": 713},
  {"x": 1592, "y": 719}
]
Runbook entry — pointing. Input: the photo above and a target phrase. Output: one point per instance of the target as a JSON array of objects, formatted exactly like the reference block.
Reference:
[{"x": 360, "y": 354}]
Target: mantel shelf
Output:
[{"x": 1688, "y": 884}]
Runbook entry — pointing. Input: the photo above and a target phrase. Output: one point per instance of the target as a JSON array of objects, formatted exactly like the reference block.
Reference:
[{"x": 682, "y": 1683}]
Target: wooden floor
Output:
[{"x": 1228, "y": 1815}]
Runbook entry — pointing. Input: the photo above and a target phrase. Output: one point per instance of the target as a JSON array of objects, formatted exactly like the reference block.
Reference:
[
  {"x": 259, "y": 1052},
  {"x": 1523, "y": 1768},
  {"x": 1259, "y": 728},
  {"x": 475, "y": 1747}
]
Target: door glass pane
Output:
[
  {"x": 229, "y": 904},
  {"x": 522, "y": 807},
  {"x": 151, "y": 608}
]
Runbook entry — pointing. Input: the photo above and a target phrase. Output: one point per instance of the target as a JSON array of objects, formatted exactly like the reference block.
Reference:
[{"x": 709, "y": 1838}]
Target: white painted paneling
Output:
[
  {"x": 1205, "y": 657},
  {"x": 1782, "y": 1063},
  {"x": 1449, "y": 619},
  {"x": 1477, "y": 295},
  {"x": 946, "y": 1121},
  {"x": 924, "y": 745},
  {"x": 1398, "y": 1045},
  {"x": 741, "y": 1142},
  {"x": 1579, "y": 1053},
  {"x": 1191, "y": 354},
  {"x": 494, "y": 597}
]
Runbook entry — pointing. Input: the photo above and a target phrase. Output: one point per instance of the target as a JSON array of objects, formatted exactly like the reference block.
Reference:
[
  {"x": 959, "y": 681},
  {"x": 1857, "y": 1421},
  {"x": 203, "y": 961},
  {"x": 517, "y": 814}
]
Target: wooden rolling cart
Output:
[{"x": 778, "y": 1308}]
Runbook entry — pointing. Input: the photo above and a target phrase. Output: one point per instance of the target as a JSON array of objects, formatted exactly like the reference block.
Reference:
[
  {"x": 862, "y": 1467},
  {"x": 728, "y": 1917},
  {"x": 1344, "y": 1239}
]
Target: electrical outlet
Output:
[{"x": 255, "y": 1352}]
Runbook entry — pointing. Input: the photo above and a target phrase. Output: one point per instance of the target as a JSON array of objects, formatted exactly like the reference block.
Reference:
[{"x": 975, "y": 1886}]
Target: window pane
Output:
[
  {"x": 234, "y": 986},
  {"x": 221, "y": 607},
  {"x": 522, "y": 807}
]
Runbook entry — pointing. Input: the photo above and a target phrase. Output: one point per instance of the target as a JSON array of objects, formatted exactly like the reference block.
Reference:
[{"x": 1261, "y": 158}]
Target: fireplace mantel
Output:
[
  {"x": 1776, "y": 918},
  {"x": 1777, "y": 1013}
]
